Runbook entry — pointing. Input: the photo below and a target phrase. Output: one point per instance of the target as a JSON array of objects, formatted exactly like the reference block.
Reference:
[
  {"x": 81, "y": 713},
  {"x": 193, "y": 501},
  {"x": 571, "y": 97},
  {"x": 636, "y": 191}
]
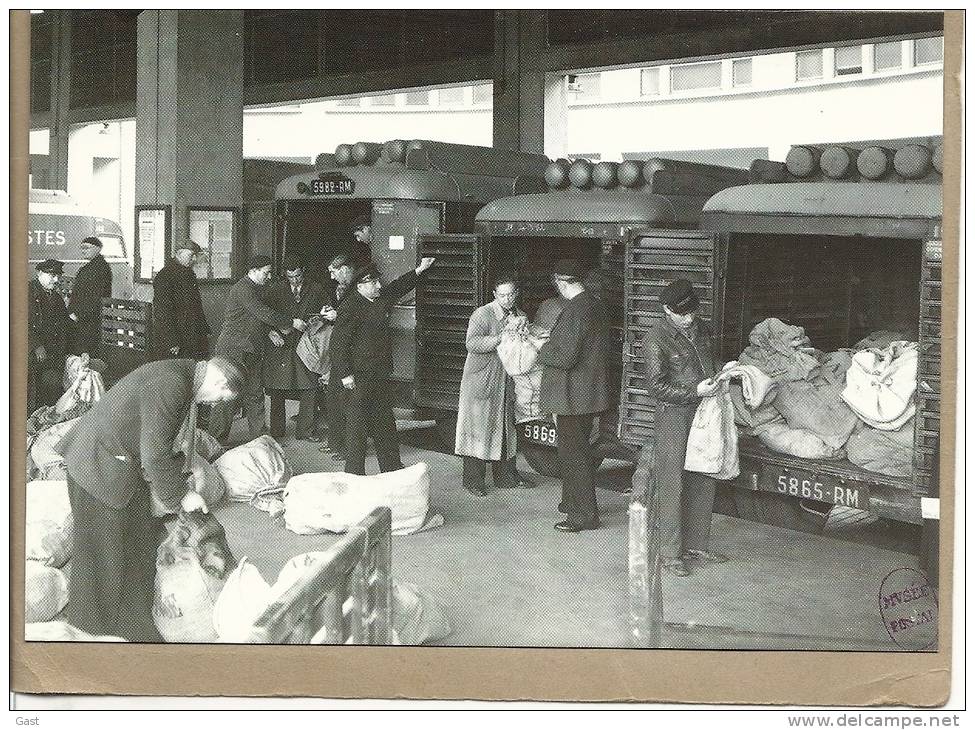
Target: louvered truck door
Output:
[
  {"x": 446, "y": 297},
  {"x": 929, "y": 369},
  {"x": 652, "y": 260}
]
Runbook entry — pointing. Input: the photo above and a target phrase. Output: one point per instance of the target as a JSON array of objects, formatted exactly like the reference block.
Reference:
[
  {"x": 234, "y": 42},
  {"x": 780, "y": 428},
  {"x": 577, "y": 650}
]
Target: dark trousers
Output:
[
  {"x": 306, "y": 412},
  {"x": 686, "y": 498},
  {"x": 252, "y": 399},
  {"x": 334, "y": 406},
  {"x": 369, "y": 413},
  {"x": 577, "y": 463},
  {"x": 45, "y": 382},
  {"x": 504, "y": 473},
  {"x": 113, "y": 566}
]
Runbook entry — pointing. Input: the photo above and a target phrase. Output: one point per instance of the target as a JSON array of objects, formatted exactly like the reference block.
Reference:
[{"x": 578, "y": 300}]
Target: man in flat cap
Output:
[
  {"x": 361, "y": 354},
  {"x": 680, "y": 366},
  {"x": 92, "y": 282},
  {"x": 47, "y": 336},
  {"x": 179, "y": 327},
  {"x": 124, "y": 479},
  {"x": 247, "y": 321},
  {"x": 361, "y": 227},
  {"x": 575, "y": 390}
]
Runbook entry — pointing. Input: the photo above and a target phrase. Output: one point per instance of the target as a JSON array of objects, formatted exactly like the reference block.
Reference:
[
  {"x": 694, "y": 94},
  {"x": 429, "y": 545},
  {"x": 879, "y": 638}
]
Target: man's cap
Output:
[
  {"x": 51, "y": 266},
  {"x": 189, "y": 246},
  {"x": 358, "y": 222},
  {"x": 92, "y": 241},
  {"x": 258, "y": 262},
  {"x": 679, "y": 297},
  {"x": 340, "y": 260},
  {"x": 568, "y": 268},
  {"x": 292, "y": 262},
  {"x": 233, "y": 372},
  {"x": 366, "y": 272}
]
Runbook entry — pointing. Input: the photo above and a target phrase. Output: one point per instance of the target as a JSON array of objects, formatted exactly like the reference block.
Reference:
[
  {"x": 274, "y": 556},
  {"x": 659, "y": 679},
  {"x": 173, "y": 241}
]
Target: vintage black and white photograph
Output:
[{"x": 485, "y": 328}]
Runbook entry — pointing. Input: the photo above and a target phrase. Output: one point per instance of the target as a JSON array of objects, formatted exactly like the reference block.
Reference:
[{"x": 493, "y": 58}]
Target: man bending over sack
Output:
[
  {"x": 679, "y": 369},
  {"x": 123, "y": 479}
]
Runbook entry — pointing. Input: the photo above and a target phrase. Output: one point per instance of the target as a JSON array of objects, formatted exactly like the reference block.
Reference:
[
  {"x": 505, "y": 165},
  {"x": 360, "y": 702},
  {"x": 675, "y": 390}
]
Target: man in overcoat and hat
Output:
[
  {"x": 47, "y": 336},
  {"x": 92, "y": 282},
  {"x": 179, "y": 326}
]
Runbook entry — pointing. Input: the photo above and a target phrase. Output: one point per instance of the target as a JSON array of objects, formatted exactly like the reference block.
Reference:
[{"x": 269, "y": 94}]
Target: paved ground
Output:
[{"x": 506, "y": 578}]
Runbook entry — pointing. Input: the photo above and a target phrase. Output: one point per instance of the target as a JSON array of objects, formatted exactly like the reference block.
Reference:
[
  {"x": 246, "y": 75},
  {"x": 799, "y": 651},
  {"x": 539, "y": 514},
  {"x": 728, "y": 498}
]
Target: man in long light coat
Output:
[{"x": 485, "y": 416}]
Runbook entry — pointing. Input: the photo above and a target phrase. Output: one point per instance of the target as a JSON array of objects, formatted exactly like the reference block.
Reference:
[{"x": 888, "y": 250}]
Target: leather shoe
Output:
[
  {"x": 703, "y": 556},
  {"x": 569, "y": 526},
  {"x": 676, "y": 566}
]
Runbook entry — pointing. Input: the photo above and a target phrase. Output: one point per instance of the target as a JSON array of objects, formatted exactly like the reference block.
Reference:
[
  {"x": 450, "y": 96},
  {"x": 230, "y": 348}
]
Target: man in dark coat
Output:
[
  {"x": 123, "y": 480},
  {"x": 679, "y": 368},
  {"x": 247, "y": 321},
  {"x": 296, "y": 297},
  {"x": 574, "y": 388},
  {"x": 179, "y": 327},
  {"x": 47, "y": 336},
  {"x": 341, "y": 269},
  {"x": 92, "y": 282},
  {"x": 361, "y": 354}
]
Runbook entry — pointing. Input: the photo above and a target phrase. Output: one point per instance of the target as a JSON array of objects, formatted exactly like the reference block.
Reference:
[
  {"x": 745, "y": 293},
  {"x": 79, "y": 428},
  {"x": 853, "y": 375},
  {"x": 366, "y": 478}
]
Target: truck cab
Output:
[
  {"x": 845, "y": 243},
  {"x": 405, "y": 189},
  {"x": 588, "y": 213}
]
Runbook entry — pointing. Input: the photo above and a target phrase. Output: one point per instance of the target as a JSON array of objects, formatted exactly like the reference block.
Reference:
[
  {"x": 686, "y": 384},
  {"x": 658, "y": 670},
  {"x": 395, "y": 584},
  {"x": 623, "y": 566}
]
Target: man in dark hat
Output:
[
  {"x": 247, "y": 321},
  {"x": 179, "y": 327},
  {"x": 92, "y": 282},
  {"x": 47, "y": 336},
  {"x": 296, "y": 297},
  {"x": 361, "y": 354},
  {"x": 361, "y": 227},
  {"x": 680, "y": 366},
  {"x": 574, "y": 388}
]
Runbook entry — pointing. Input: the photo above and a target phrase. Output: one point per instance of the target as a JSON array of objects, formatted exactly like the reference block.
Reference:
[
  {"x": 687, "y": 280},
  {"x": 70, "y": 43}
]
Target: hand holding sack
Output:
[{"x": 312, "y": 348}]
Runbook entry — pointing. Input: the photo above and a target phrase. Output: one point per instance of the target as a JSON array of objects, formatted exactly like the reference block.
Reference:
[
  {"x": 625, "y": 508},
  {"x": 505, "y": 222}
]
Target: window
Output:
[
  {"x": 887, "y": 56},
  {"x": 451, "y": 97},
  {"x": 741, "y": 72},
  {"x": 695, "y": 76},
  {"x": 849, "y": 61},
  {"x": 417, "y": 98},
  {"x": 649, "y": 82},
  {"x": 483, "y": 94},
  {"x": 384, "y": 100},
  {"x": 809, "y": 65},
  {"x": 348, "y": 102},
  {"x": 585, "y": 86},
  {"x": 928, "y": 50}
]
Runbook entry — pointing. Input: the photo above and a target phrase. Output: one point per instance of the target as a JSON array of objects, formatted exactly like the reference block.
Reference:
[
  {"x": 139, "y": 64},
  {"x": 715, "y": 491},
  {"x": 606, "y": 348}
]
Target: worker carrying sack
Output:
[
  {"x": 335, "y": 501},
  {"x": 312, "y": 348},
  {"x": 49, "y": 534},
  {"x": 45, "y": 592},
  {"x": 253, "y": 467},
  {"x": 880, "y": 385},
  {"x": 192, "y": 565}
]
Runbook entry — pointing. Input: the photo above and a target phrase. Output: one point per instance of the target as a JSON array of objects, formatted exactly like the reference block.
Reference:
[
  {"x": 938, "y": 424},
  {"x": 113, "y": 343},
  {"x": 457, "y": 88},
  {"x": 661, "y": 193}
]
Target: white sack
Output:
[
  {"x": 45, "y": 592},
  {"x": 781, "y": 438},
  {"x": 49, "y": 534},
  {"x": 61, "y": 631},
  {"x": 880, "y": 385},
  {"x": 243, "y": 599},
  {"x": 335, "y": 501},
  {"x": 82, "y": 384},
  {"x": 251, "y": 467}
]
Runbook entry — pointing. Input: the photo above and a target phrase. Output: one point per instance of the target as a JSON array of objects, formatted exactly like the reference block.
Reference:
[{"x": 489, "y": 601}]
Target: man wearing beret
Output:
[
  {"x": 179, "y": 327},
  {"x": 680, "y": 366},
  {"x": 361, "y": 355},
  {"x": 247, "y": 321},
  {"x": 47, "y": 336},
  {"x": 92, "y": 282},
  {"x": 574, "y": 388}
]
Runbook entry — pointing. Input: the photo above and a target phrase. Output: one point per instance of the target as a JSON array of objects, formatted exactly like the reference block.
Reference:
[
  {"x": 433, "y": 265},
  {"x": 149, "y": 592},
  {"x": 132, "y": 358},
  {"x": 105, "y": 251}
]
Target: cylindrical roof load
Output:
[
  {"x": 838, "y": 162},
  {"x": 913, "y": 161},
  {"x": 395, "y": 151},
  {"x": 557, "y": 174},
  {"x": 325, "y": 161},
  {"x": 580, "y": 174},
  {"x": 803, "y": 160},
  {"x": 875, "y": 163},
  {"x": 630, "y": 173},
  {"x": 343, "y": 155},
  {"x": 366, "y": 153},
  {"x": 473, "y": 159},
  {"x": 768, "y": 171},
  {"x": 605, "y": 175},
  {"x": 937, "y": 157}
]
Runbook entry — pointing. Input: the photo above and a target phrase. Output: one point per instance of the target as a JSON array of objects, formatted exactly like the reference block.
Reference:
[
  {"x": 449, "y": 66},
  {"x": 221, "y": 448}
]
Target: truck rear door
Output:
[
  {"x": 654, "y": 258},
  {"x": 929, "y": 370},
  {"x": 446, "y": 297}
]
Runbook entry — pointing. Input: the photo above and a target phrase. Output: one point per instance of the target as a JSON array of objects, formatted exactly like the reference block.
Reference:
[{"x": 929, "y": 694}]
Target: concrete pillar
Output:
[
  {"x": 60, "y": 100},
  {"x": 519, "y": 82},
  {"x": 189, "y": 112}
]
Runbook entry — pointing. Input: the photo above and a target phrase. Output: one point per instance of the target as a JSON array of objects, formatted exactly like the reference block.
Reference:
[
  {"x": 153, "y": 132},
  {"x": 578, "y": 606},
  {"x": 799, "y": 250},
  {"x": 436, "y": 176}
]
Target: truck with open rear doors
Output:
[
  {"x": 588, "y": 214},
  {"x": 405, "y": 189}
]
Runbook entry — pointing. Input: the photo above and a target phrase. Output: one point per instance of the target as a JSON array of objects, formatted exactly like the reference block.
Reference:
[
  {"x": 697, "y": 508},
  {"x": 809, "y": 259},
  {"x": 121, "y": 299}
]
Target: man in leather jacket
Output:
[{"x": 679, "y": 368}]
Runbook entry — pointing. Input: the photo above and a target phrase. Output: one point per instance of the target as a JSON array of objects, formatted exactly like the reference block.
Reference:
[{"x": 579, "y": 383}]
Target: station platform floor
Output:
[{"x": 505, "y": 577}]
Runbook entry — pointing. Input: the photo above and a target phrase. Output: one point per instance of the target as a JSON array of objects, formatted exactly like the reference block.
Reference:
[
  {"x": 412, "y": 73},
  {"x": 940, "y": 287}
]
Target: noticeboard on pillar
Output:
[
  {"x": 214, "y": 229},
  {"x": 152, "y": 240}
]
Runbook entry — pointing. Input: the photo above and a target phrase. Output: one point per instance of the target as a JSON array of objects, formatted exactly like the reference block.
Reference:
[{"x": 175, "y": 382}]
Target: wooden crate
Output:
[
  {"x": 126, "y": 331},
  {"x": 347, "y": 600}
]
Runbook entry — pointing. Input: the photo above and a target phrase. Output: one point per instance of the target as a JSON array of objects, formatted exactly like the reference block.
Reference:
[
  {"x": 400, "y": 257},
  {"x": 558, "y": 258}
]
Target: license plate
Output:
[
  {"x": 806, "y": 485},
  {"x": 332, "y": 185},
  {"x": 540, "y": 432}
]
